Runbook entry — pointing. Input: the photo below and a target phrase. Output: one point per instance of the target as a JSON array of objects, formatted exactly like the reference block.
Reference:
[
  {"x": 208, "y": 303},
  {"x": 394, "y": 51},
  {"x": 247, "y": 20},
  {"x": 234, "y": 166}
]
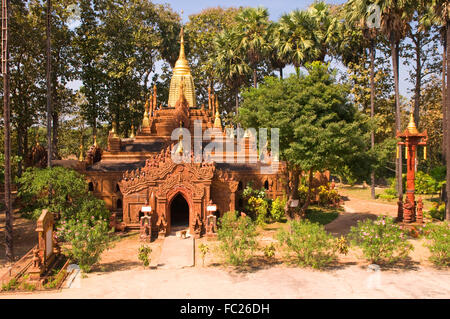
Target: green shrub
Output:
[
  {"x": 382, "y": 241},
  {"x": 204, "y": 249},
  {"x": 88, "y": 239},
  {"x": 328, "y": 197},
  {"x": 144, "y": 255},
  {"x": 269, "y": 251},
  {"x": 238, "y": 238},
  {"x": 436, "y": 212},
  {"x": 426, "y": 184},
  {"x": 277, "y": 209},
  {"x": 13, "y": 284},
  {"x": 258, "y": 208},
  {"x": 310, "y": 243},
  {"x": 69, "y": 194},
  {"x": 438, "y": 237}
]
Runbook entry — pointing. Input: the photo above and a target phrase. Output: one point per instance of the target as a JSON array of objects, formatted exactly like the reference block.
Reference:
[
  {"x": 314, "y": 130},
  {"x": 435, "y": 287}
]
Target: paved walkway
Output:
[
  {"x": 275, "y": 282},
  {"x": 176, "y": 253}
]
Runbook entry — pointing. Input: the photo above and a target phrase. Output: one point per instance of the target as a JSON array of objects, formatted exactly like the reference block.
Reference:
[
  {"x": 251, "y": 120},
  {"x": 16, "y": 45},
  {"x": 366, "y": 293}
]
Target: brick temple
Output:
[{"x": 139, "y": 171}]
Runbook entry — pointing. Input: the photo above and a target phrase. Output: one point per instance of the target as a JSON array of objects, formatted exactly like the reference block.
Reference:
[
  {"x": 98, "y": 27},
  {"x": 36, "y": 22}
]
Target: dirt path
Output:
[{"x": 358, "y": 209}]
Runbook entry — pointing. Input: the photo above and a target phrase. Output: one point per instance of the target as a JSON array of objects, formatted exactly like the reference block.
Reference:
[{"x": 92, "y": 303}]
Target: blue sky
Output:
[{"x": 276, "y": 7}]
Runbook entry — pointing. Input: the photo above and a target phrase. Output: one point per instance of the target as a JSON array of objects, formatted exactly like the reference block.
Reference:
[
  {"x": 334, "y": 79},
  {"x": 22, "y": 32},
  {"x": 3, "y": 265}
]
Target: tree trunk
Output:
[
  {"x": 447, "y": 102},
  {"x": 308, "y": 197},
  {"x": 395, "y": 66},
  {"x": 372, "y": 110},
  {"x": 418, "y": 80},
  {"x": 255, "y": 83},
  {"x": 49, "y": 89},
  {"x": 292, "y": 191},
  {"x": 237, "y": 101},
  {"x": 9, "y": 217},
  {"x": 55, "y": 119},
  {"x": 444, "y": 112},
  {"x": 281, "y": 73}
]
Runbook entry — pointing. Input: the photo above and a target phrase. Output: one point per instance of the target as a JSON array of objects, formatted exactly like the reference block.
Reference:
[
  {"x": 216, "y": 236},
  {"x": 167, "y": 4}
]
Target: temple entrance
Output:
[{"x": 179, "y": 212}]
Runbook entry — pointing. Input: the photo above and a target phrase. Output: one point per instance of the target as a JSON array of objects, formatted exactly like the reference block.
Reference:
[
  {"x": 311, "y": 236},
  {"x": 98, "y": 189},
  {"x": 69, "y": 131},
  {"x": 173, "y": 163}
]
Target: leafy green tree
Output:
[
  {"x": 68, "y": 195},
  {"x": 319, "y": 128}
]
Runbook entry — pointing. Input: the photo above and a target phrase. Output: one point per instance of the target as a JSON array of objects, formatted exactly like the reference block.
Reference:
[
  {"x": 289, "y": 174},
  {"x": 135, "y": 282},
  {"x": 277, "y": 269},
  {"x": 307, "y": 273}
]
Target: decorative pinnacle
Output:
[{"x": 412, "y": 129}]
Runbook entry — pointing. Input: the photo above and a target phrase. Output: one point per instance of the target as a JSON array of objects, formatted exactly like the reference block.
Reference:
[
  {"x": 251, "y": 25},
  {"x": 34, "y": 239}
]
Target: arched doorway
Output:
[{"x": 179, "y": 212}]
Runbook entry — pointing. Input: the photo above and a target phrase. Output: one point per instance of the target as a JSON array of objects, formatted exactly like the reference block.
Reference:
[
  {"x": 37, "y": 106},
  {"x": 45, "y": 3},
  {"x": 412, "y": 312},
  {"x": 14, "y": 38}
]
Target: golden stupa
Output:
[{"x": 182, "y": 73}]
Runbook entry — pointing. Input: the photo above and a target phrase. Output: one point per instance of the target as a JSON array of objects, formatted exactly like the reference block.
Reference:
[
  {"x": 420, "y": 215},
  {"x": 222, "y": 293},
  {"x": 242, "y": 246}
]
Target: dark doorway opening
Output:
[{"x": 179, "y": 211}]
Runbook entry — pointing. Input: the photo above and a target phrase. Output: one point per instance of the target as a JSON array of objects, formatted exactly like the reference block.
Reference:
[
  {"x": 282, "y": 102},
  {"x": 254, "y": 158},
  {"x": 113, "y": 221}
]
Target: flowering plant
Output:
[
  {"x": 88, "y": 239},
  {"x": 381, "y": 241}
]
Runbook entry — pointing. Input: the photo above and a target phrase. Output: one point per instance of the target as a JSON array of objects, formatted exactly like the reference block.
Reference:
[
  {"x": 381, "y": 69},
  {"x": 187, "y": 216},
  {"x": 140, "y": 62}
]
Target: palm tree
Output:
[
  {"x": 294, "y": 38},
  {"x": 395, "y": 16},
  {"x": 357, "y": 18},
  {"x": 231, "y": 65},
  {"x": 6, "y": 119},
  {"x": 252, "y": 26},
  {"x": 49, "y": 88},
  {"x": 276, "y": 59},
  {"x": 441, "y": 13},
  {"x": 325, "y": 26}
]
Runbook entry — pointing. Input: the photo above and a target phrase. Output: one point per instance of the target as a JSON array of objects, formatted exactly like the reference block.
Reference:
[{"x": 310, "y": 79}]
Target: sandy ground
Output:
[{"x": 121, "y": 275}]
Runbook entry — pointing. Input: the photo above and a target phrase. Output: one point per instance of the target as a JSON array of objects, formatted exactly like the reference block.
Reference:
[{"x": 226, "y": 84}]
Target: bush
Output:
[
  {"x": 88, "y": 239},
  {"x": 328, "y": 197},
  {"x": 277, "y": 209},
  {"x": 310, "y": 243},
  {"x": 382, "y": 241},
  {"x": 426, "y": 184},
  {"x": 238, "y": 238},
  {"x": 204, "y": 249},
  {"x": 258, "y": 207},
  {"x": 436, "y": 212},
  {"x": 438, "y": 237},
  {"x": 69, "y": 194},
  {"x": 143, "y": 255},
  {"x": 391, "y": 192},
  {"x": 269, "y": 251}
]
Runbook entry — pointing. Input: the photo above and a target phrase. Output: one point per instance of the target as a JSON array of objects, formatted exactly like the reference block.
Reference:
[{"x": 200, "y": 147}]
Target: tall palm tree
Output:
[
  {"x": 49, "y": 88},
  {"x": 295, "y": 38},
  {"x": 325, "y": 26},
  {"x": 231, "y": 65},
  {"x": 357, "y": 18},
  {"x": 252, "y": 26},
  {"x": 395, "y": 16},
  {"x": 6, "y": 119},
  {"x": 441, "y": 13},
  {"x": 277, "y": 60}
]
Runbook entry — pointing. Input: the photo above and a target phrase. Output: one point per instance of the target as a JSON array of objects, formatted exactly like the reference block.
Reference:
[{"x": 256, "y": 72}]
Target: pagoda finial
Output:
[
  {"x": 412, "y": 129},
  {"x": 95, "y": 140},
  {"x": 145, "y": 120},
  {"x": 217, "y": 121}
]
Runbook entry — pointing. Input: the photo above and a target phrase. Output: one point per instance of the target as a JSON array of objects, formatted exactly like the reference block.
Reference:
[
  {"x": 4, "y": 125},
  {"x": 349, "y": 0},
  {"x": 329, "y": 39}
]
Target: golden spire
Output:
[
  {"x": 95, "y": 140},
  {"x": 412, "y": 129},
  {"x": 182, "y": 72},
  {"x": 145, "y": 121},
  {"x": 182, "y": 66},
  {"x": 132, "y": 131},
  {"x": 217, "y": 121}
]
